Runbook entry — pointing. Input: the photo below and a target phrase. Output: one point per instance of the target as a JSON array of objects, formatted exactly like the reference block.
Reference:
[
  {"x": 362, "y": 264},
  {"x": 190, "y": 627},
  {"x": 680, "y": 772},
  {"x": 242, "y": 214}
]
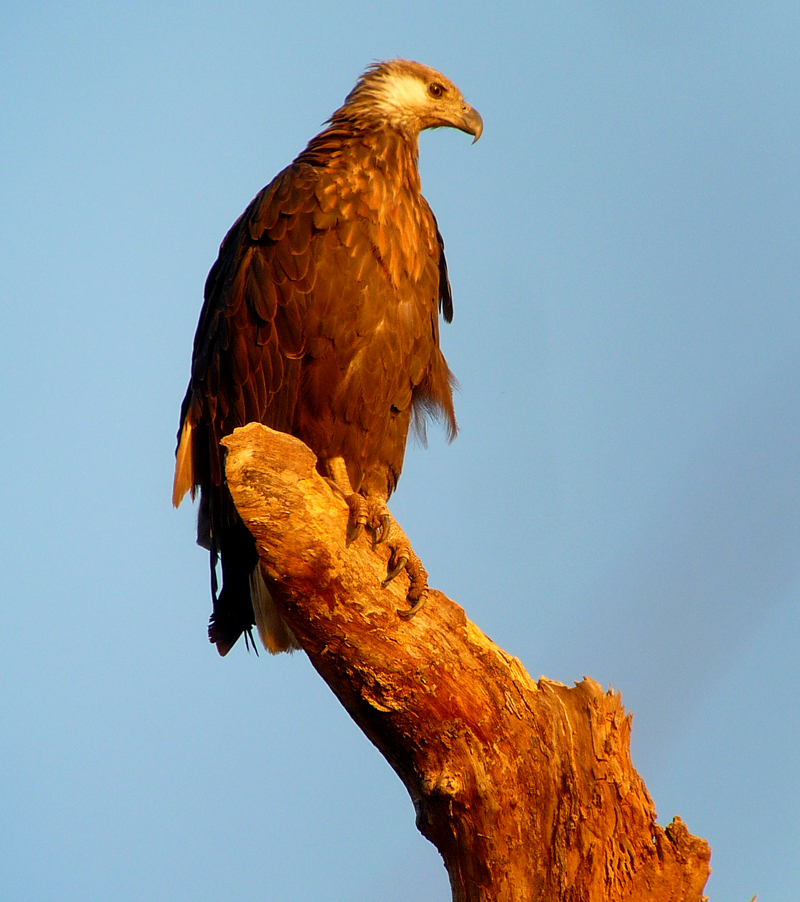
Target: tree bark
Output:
[{"x": 526, "y": 788}]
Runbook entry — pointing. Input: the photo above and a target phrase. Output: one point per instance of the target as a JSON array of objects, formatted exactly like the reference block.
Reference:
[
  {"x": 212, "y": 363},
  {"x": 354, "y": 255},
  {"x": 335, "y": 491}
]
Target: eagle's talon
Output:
[
  {"x": 386, "y": 525},
  {"x": 409, "y": 613},
  {"x": 358, "y": 512},
  {"x": 402, "y": 561},
  {"x": 354, "y": 531}
]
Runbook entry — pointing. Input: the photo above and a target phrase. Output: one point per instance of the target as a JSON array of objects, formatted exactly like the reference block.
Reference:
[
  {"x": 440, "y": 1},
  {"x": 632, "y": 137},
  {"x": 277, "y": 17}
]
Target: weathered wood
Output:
[{"x": 526, "y": 788}]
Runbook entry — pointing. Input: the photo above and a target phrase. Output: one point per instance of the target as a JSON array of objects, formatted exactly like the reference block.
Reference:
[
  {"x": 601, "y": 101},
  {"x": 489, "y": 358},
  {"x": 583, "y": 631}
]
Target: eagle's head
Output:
[{"x": 411, "y": 97}]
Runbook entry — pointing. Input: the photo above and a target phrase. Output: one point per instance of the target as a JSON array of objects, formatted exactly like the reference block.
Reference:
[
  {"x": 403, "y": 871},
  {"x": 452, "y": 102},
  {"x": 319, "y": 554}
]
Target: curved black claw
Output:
[
  {"x": 408, "y": 614},
  {"x": 358, "y": 517},
  {"x": 383, "y": 535},
  {"x": 353, "y": 532},
  {"x": 400, "y": 566}
]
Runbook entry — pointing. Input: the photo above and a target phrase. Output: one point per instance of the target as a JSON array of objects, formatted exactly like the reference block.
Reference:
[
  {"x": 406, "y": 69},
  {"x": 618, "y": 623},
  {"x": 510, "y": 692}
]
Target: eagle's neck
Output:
[
  {"x": 373, "y": 173},
  {"x": 370, "y": 144},
  {"x": 394, "y": 154}
]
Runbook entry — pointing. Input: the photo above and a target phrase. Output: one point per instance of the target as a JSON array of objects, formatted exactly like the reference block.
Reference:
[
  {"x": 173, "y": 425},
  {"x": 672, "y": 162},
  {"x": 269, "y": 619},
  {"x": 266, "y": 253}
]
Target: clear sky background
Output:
[{"x": 623, "y": 500}]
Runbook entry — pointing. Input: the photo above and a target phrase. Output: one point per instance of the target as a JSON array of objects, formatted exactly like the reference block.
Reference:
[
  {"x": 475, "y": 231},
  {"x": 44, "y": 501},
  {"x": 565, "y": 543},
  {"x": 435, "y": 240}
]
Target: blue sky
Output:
[{"x": 623, "y": 499}]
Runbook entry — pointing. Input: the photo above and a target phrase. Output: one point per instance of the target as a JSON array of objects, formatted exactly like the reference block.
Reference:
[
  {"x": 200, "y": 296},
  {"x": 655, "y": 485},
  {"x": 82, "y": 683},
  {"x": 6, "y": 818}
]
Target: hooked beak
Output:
[{"x": 470, "y": 122}]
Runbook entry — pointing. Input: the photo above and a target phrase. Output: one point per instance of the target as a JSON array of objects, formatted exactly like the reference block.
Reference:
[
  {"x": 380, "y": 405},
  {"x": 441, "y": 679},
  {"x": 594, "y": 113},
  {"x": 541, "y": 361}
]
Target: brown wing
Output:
[
  {"x": 250, "y": 337},
  {"x": 245, "y": 368}
]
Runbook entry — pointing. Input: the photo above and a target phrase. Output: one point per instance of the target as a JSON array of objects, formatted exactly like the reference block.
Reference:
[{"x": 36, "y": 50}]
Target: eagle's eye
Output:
[{"x": 435, "y": 89}]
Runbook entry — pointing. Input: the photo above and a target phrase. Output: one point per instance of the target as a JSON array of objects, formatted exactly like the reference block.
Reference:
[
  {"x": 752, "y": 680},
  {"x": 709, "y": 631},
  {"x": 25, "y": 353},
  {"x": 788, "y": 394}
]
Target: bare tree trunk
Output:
[{"x": 526, "y": 788}]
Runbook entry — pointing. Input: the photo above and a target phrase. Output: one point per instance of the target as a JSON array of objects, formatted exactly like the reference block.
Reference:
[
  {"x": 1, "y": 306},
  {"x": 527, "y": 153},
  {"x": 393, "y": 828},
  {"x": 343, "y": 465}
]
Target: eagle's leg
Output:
[
  {"x": 340, "y": 479},
  {"x": 371, "y": 511}
]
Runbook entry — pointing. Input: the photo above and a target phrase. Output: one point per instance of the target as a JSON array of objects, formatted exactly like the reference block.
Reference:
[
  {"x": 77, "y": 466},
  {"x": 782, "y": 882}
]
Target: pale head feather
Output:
[
  {"x": 407, "y": 95},
  {"x": 400, "y": 89}
]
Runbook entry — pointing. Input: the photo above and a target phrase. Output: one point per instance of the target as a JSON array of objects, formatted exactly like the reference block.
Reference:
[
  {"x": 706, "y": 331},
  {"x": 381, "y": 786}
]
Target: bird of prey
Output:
[{"x": 321, "y": 319}]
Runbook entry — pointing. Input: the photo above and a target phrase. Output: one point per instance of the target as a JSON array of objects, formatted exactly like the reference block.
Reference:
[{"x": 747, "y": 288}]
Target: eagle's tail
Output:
[
  {"x": 244, "y": 600},
  {"x": 233, "y": 610}
]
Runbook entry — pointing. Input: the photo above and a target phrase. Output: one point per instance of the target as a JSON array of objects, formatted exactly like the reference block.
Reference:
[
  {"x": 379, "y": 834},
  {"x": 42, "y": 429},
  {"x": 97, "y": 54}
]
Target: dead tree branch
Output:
[{"x": 526, "y": 788}]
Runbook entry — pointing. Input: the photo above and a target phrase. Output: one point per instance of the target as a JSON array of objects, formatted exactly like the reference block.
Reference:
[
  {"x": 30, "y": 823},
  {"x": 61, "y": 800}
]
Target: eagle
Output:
[{"x": 321, "y": 319}]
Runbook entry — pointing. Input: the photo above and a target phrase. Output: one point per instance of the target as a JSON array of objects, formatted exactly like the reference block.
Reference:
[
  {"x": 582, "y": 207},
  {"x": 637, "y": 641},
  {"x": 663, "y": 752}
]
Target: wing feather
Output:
[
  {"x": 299, "y": 232},
  {"x": 277, "y": 232},
  {"x": 252, "y": 322},
  {"x": 260, "y": 292}
]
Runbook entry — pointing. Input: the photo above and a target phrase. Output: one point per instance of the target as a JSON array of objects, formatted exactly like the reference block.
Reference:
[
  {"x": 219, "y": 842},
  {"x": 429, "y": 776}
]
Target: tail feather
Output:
[
  {"x": 233, "y": 609},
  {"x": 244, "y": 600},
  {"x": 273, "y": 631}
]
